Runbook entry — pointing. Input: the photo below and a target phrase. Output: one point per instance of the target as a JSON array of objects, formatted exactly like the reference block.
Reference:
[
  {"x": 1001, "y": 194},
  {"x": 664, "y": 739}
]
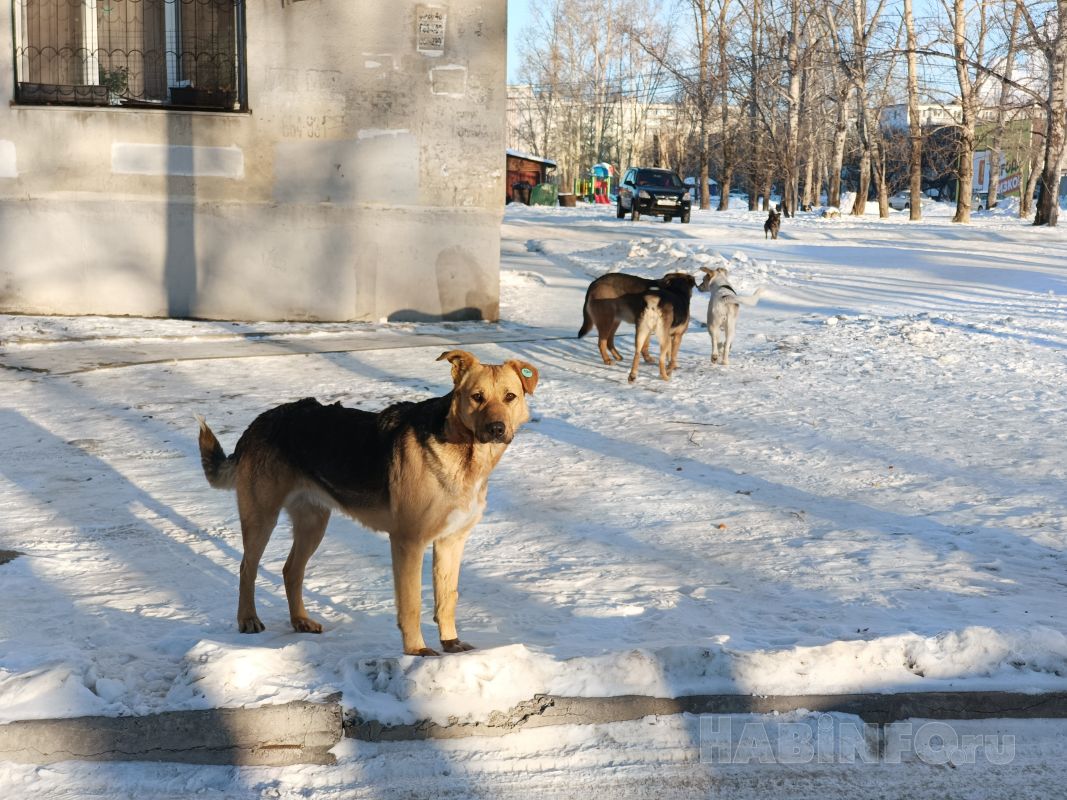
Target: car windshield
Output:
[{"x": 649, "y": 177}]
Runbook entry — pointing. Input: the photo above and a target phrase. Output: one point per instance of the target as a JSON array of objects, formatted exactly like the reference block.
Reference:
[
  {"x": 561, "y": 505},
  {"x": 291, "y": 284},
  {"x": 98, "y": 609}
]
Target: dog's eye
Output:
[
  {"x": 509, "y": 397},
  {"x": 478, "y": 397}
]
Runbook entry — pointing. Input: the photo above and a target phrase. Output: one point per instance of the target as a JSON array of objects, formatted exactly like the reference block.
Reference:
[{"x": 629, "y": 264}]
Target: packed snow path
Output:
[{"x": 871, "y": 497}]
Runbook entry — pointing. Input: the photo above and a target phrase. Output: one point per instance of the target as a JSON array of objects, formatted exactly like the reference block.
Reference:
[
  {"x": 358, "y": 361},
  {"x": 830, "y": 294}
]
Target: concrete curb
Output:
[
  {"x": 294, "y": 733},
  {"x": 875, "y": 708},
  {"x": 304, "y": 733}
]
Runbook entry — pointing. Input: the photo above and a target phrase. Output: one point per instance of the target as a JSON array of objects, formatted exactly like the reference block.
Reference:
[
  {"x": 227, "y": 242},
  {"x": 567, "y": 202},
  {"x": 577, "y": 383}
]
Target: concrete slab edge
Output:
[
  {"x": 874, "y": 708},
  {"x": 278, "y": 735},
  {"x": 304, "y": 733}
]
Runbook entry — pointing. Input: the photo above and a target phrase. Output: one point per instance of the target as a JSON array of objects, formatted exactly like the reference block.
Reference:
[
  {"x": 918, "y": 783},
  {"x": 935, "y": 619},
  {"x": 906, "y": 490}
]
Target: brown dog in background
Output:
[
  {"x": 617, "y": 297},
  {"x": 773, "y": 223},
  {"x": 417, "y": 471}
]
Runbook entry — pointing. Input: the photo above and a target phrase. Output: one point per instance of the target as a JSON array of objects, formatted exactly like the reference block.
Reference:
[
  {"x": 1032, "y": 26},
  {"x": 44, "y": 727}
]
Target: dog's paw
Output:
[
  {"x": 423, "y": 651},
  {"x": 250, "y": 625},
  {"x": 633, "y": 377},
  {"x": 455, "y": 646},
  {"x": 306, "y": 625}
]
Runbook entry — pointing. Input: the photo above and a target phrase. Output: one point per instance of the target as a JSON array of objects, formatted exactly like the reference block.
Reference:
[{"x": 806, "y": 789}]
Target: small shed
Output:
[{"x": 524, "y": 168}]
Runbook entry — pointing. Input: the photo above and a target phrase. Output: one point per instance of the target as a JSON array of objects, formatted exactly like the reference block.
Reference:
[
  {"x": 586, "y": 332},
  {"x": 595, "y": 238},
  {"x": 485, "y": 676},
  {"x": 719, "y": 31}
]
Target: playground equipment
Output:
[{"x": 596, "y": 188}]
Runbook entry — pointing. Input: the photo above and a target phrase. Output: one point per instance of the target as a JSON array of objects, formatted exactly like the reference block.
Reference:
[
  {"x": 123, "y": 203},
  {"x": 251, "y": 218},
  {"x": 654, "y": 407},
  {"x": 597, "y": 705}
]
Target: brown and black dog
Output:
[
  {"x": 617, "y": 297},
  {"x": 417, "y": 471},
  {"x": 773, "y": 223}
]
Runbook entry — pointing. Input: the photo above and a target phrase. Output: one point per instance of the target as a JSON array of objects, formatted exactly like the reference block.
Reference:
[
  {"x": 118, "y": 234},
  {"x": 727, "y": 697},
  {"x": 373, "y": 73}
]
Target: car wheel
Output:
[
  {"x": 619, "y": 213},
  {"x": 635, "y": 215},
  {"x": 666, "y": 217},
  {"x": 907, "y": 206}
]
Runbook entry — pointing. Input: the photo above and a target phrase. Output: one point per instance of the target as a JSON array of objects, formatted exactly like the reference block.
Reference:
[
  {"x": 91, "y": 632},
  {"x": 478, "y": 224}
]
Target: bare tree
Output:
[
  {"x": 1050, "y": 37},
  {"x": 915, "y": 129},
  {"x": 854, "y": 55},
  {"x": 694, "y": 82},
  {"x": 968, "y": 49},
  {"x": 1004, "y": 100}
]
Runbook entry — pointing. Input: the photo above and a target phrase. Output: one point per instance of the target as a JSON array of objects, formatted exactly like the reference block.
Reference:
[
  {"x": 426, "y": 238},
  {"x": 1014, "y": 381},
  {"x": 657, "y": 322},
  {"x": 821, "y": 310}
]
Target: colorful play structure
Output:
[{"x": 596, "y": 188}]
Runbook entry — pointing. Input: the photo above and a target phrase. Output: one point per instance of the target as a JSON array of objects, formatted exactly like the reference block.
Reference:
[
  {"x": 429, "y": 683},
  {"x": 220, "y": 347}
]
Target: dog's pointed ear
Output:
[
  {"x": 707, "y": 270},
  {"x": 461, "y": 361},
  {"x": 527, "y": 374}
]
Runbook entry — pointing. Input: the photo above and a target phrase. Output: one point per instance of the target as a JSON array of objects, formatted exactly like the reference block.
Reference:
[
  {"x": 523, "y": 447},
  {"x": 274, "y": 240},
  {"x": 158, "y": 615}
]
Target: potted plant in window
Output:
[{"x": 115, "y": 81}]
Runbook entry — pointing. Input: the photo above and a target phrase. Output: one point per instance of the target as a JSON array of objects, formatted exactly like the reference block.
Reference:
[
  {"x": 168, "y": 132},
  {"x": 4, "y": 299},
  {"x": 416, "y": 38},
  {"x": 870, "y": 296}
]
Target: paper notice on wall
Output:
[{"x": 430, "y": 29}]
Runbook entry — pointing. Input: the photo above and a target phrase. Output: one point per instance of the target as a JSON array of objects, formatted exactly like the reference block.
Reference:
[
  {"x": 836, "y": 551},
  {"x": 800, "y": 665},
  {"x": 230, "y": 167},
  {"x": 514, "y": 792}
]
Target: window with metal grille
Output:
[{"x": 144, "y": 53}]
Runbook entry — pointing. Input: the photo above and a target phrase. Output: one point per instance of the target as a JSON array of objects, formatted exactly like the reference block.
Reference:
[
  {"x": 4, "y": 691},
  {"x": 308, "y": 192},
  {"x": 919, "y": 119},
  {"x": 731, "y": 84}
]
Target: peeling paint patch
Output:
[
  {"x": 163, "y": 159},
  {"x": 377, "y": 169},
  {"x": 376, "y": 60},
  {"x": 449, "y": 80},
  {"x": 8, "y": 165},
  {"x": 374, "y": 133}
]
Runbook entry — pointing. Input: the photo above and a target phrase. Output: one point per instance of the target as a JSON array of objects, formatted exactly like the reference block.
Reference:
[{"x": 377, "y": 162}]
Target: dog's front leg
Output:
[
  {"x": 447, "y": 554},
  {"x": 407, "y": 586}
]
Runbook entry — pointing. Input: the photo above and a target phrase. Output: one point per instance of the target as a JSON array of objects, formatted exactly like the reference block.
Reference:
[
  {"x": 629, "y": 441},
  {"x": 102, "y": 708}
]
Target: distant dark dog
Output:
[
  {"x": 773, "y": 223},
  {"x": 617, "y": 297},
  {"x": 417, "y": 471}
]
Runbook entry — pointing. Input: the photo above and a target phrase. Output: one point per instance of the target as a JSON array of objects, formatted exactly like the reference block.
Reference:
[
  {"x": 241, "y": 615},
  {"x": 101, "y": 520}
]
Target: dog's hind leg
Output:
[
  {"x": 612, "y": 330},
  {"x": 713, "y": 331},
  {"x": 663, "y": 338},
  {"x": 728, "y": 338},
  {"x": 257, "y": 524},
  {"x": 646, "y": 323},
  {"x": 676, "y": 345},
  {"x": 407, "y": 585},
  {"x": 309, "y": 526},
  {"x": 447, "y": 553},
  {"x": 645, "y": 354}
]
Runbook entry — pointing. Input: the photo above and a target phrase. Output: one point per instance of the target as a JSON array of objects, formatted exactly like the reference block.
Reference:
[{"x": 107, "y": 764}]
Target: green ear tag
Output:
[{"x": 527, "y": 372}]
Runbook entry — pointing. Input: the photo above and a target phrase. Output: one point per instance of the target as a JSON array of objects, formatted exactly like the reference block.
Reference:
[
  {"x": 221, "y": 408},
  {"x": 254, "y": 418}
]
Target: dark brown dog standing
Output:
[
  {"x": 773, "y": 223},
  {"x": 617, "y": 297},
  {"x": 417, "y": 471}
]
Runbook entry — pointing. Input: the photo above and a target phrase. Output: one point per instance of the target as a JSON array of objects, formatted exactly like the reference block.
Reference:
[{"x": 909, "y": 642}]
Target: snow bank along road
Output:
[{"x": 870, "y": 498}]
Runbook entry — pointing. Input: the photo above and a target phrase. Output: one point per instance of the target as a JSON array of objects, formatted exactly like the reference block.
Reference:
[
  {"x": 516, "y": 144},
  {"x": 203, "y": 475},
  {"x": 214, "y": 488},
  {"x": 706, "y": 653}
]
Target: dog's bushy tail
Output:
[
  {"x": 587, "y": 318},
  {"x": 219, "y": 469},
  {"x": 751, "y": 300}
]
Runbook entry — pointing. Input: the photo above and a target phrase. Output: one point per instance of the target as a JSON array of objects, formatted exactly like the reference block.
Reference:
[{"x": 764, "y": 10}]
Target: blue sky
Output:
[{"x": 518, "y": 18}]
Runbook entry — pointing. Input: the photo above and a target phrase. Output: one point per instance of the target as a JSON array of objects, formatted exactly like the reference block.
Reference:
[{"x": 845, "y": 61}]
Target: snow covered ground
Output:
[{"x": 871, "y": 497}]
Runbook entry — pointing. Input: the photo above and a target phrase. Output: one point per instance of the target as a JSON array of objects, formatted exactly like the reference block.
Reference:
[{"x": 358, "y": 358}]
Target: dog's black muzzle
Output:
[{"x": 493, "y": 432}]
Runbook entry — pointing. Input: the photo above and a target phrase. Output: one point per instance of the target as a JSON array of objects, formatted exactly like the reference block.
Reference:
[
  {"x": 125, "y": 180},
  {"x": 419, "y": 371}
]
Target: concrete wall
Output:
[{"x": 365, "y": 182}]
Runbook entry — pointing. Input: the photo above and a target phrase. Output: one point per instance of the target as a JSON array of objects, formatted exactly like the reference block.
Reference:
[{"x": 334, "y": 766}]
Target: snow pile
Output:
[
  {"x": 475, "y": 685},
  {"x": 654, "y": 258}
]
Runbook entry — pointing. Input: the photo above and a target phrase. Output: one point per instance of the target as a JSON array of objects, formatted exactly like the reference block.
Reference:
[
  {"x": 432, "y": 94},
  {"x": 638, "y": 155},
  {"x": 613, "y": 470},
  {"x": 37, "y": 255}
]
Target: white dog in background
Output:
[{"x": 723, "y": 309}]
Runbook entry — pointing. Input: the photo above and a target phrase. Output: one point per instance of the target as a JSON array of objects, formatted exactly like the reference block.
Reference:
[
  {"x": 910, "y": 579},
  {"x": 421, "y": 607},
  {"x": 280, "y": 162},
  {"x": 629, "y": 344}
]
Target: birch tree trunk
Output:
[{"x": 915, "y": 129}]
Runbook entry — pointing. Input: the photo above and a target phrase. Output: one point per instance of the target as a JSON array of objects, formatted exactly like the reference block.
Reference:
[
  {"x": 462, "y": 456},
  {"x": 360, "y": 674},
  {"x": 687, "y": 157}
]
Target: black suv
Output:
[{"x": 657, "y": 192}]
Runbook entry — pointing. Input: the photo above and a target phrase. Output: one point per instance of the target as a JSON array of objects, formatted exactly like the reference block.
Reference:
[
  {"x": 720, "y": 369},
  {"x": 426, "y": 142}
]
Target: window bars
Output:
[{"x": 143, "y": 53}]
